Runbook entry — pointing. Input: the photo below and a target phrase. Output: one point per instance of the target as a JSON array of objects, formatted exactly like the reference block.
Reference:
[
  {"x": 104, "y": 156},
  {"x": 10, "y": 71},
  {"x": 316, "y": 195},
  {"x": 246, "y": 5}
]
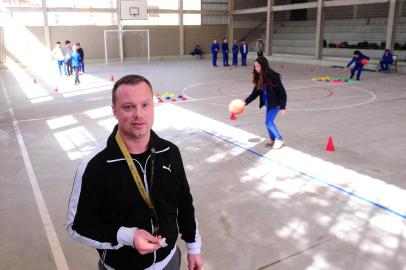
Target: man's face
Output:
[{"x": 134, "y": 110}]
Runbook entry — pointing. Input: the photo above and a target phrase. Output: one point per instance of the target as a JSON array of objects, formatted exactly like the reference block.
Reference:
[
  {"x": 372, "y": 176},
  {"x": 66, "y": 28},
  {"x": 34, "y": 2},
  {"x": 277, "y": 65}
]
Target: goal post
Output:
[{"x": 119, "y": 34}]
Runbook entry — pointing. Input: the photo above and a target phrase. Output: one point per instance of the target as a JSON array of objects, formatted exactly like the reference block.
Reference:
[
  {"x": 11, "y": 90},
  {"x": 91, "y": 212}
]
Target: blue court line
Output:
[{"x": 308, "y": 176}]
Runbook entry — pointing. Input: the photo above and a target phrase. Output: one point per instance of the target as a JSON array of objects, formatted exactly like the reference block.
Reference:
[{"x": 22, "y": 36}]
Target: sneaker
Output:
[
  {"x": 269, "y": 143},
  {"x": 278, "y": 144}
]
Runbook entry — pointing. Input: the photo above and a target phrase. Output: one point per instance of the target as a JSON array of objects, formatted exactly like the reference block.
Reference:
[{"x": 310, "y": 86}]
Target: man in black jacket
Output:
[{"x": 131, "y": 212}]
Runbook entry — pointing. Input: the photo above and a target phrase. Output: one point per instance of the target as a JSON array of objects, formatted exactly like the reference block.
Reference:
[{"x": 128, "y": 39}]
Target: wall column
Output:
[
  {"x": 390, "y": 30},
  {"x": 46, "y": 26},
  {"x": 319, "y": 30},
  {"x": 269, "y": 27},
  {"x": 230, "y": 28},
  {"x": 181, "y": 30}
]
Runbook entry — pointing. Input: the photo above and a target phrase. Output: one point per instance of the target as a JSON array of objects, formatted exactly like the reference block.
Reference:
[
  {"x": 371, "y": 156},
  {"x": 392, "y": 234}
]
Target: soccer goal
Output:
[{"x": 134, "y": 44}]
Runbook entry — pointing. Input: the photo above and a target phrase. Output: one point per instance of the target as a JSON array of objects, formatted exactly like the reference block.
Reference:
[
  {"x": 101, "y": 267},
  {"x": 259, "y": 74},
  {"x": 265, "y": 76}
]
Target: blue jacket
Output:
[
  {"x": 75, "y": 58},
  {"x": 242, "y": 49},
  {"x": 235, "y": 49},
  {"x": 224, "y": 47},
  {"x": 275, "y": 93},
  {"x": 387, "y": 57},
  {"x": 357, "y": 60},
  {"x": 215, "y": 47}
]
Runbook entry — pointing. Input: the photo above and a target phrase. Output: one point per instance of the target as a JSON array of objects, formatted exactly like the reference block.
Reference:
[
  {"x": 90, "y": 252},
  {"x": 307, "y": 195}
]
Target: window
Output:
[
  {"x": 192, "y": 5},
  {"x": 192, "y": 19},
  {"x": 164, "y": 4},
  {"x": 163, "y": 19},
  {"x": 28, "y": 18},
  {"x": 82, "y": 3},
  {"x": 20, "y": 3},
  {"x": 81, "y": 18}
]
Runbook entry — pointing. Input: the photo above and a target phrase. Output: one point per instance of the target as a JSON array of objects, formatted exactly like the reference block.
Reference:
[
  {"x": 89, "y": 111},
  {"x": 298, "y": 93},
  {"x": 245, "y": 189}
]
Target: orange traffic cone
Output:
[
  {"x": 330, "y": 145},
  {"x": 232, "y": 116},
  {"x": 112, "y": 78}
]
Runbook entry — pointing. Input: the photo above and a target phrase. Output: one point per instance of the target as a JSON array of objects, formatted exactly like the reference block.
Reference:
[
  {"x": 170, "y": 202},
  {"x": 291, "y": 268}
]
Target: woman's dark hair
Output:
[
  {"x": 259, "y": 79},
  {"x": 131, "y": 80}
]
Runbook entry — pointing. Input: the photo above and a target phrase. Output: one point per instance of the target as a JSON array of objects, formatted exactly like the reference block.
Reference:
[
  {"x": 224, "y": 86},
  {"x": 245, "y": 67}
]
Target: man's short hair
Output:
[
  {"x": 132, "y": 79},
  {"x": 67, "y": 42},
  {"x": 356, "y": 52}
]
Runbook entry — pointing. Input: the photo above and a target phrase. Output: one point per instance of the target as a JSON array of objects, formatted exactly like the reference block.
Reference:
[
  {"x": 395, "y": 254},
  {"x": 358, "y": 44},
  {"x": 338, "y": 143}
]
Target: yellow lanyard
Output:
[{"x": 133, "y": 170}]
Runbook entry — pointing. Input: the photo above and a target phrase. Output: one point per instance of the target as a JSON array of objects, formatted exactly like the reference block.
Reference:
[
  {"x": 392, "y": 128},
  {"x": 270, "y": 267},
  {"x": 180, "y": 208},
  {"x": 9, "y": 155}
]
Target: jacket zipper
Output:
[
  {"x": 104, "y": 255},
  {"x": 146, "y": 187}
]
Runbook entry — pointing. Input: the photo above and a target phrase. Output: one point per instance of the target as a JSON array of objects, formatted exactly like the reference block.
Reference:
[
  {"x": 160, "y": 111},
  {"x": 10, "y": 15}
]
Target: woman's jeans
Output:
[{"x": 270, "y": 124}]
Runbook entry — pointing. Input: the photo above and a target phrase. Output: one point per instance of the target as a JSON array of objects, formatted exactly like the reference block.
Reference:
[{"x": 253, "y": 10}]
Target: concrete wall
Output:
[
  {"x": 203, "y": 35},
  {"x": 20, "y": 42},
  {"x": 90, "y": 38},
  {"x": 164, "y": 40}
]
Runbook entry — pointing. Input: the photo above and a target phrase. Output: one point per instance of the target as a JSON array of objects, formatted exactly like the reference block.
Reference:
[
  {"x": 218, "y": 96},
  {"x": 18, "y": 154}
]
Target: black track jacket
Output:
[
  {"x": 276, "y": 94},
  {"x": 105, "y": 197}
]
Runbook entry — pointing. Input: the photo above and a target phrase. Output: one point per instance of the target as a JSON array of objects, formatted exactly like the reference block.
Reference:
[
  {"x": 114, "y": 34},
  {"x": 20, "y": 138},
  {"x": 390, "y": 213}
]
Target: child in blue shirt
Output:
[
  {"x": 360, "y": 60},
  {"x": 214, "y": 50},
  {"x": 235, "y": 50},
  {"x": 76, "y": 60}
]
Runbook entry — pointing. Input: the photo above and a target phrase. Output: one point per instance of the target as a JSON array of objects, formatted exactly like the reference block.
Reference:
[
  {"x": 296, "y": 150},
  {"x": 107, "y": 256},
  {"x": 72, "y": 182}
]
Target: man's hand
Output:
[
  {"x": 195, "y": 261},
  {"x": 283, "y": 112},
  {"x": 144, "y": 242}
]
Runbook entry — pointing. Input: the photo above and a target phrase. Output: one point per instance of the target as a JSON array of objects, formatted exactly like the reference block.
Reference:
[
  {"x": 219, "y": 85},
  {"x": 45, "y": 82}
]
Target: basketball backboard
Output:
[{"x": 133, "y": 10}]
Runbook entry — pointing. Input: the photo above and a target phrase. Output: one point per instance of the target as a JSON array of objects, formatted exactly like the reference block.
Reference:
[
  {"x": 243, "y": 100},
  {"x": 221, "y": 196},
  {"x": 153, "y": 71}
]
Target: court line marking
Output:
[
  {"x": 49, "y": 228},
  {"x": 370, "y": 100},
  {"x": 307, "y": 175}
]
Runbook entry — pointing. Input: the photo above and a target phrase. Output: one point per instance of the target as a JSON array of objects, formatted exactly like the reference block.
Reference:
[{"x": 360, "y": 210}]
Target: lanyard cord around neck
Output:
[{"x": 134, "y": 171}]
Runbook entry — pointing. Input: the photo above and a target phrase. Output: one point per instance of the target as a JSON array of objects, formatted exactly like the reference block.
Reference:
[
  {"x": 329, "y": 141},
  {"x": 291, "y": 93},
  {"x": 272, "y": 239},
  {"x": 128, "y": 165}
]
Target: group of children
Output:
[
  {"x": 70, "y": 59},
  {"x": 360, "y": 60},
  {"x": 235, "y": 49}
]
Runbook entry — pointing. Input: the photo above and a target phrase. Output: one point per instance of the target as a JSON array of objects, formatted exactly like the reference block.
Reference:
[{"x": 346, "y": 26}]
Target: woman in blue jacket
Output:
[{"x": 268, "y": 86}]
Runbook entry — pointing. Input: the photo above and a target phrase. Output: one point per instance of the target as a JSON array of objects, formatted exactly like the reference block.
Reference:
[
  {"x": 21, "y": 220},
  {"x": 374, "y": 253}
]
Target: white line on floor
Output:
[{"x": 53, "y": 240}]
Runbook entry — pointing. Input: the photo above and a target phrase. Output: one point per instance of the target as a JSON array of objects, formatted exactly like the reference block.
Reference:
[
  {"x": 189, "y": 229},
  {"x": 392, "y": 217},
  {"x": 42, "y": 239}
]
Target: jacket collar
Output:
[{"x": 155, "y": 142}]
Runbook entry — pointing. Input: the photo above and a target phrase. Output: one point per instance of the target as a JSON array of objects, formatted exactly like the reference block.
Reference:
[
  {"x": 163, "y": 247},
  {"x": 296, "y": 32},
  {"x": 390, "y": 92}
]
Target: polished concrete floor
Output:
[{"x": 300, "y": 207}]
